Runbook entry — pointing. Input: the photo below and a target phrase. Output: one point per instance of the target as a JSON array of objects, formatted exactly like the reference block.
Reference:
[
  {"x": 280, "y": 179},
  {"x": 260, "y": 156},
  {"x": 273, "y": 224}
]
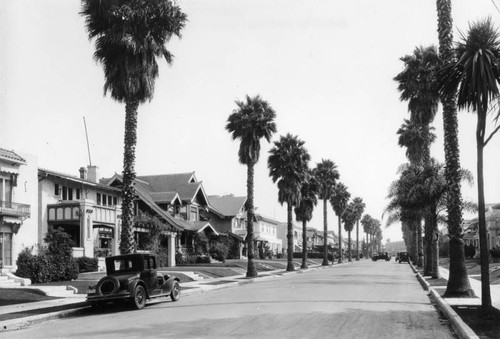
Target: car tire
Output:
[
  {"x": 176, "y": 292},
  {"x": 108, "y": 285},
  {"x": 139, "y": 297}
]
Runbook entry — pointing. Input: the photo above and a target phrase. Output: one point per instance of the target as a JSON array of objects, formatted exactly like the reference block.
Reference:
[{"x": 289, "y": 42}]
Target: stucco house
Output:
[
  {"x": 82, "y": 207},
  {"x": 18, "y": 201}
]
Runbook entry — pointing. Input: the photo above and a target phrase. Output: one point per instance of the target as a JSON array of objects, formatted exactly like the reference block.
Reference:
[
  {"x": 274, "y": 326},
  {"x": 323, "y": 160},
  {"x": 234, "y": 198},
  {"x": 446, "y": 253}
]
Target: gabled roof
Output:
[
  {"x": 49, "y": 173},
  {"x": 165, "y": 197},
  {"x": 227, "y": 205},
  {"x": 11, "y": 156}
]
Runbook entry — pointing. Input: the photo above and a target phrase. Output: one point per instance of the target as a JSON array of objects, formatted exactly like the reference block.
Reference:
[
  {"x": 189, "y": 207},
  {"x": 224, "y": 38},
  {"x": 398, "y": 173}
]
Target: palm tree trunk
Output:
[
  {"x": 289, "y": 266},
  {"x": 251, "y": 269},
  {"x": 325, "y": 229},
  {"x": 357, "y": 240},
  {"x": 435, "y": 252},
  {"x": 458, "y": 281},
  {"x": 429, "y": 233},
  {"x": 349, "y": 242},
  {"x": 483, "y": 241},
  {"x": 304, "y": 244},
  {"x": 127, "y": 243},
  {"x": 340, "y": 240},
  {"x": 420, "y": 244}
]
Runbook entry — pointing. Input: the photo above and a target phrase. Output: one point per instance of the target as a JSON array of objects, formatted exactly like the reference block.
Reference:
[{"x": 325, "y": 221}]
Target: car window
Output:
[{"x": 122, "y": 265}]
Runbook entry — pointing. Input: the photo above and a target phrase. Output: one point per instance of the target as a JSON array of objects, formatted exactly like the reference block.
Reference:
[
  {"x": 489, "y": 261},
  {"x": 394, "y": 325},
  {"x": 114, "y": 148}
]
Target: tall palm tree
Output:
[
  {"x": 458, "y": 280},
  {"x": 339, "y": 201},
  {"x": 476, "y": 74},
  {"x": 303, "y": 212},
  {"x": 326, "y": 173},
  {"x": 129, "y": 37},
  {"x": 359, "y": 209},
  {"x": 349, "y": 219},
  {"x": 252, "y": 120},
  {"x": 366, "y": 222},
  {"x": 288, "y": 165}
]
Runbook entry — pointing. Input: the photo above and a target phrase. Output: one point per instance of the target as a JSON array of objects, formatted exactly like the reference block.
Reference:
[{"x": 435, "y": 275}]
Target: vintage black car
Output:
[
  {"x": 381, "y": 256},
  {"x": 133, "y": 278},
  {"x": 402, "y": 256}
]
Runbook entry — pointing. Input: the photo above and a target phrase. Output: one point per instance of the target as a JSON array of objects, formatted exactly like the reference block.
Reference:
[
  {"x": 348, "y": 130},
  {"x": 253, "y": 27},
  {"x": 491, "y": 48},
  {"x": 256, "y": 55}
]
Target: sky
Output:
[{"x": 326, "y": 67}]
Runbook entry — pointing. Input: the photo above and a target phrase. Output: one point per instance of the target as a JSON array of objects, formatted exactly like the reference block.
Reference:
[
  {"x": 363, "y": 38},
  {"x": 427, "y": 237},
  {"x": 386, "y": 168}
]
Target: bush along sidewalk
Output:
[{"x": 55, "y": 263}]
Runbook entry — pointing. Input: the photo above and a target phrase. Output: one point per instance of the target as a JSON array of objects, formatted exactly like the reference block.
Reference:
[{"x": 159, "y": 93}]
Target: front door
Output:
[{"x": 5, "y": 249}]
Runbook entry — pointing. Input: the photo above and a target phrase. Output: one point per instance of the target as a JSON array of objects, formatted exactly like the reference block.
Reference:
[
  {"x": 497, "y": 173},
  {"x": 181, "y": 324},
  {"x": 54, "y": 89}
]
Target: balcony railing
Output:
[{"x": 14, "y": 209}]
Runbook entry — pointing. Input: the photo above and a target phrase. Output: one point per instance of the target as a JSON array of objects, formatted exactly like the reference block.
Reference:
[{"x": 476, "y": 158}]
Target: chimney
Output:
[
  {"x": 83, "y": 173},
  {"x": 93, "y": 175}
]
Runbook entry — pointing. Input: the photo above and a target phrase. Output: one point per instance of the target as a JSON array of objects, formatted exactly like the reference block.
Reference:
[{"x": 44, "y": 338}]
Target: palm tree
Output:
[
  {"x": 288, "y": 165},
  {"x": 402, "y": 208},
  {"x": 251, "y": 121},
  {"x": 129, "y": 37},
  {"x": 339, "y": 201},
  {"x": 303, "y": 212},
  {"x": 349, "y": 219},
  {"x": 476, "y": 74},
  {"x": 366, "y": 222},
  {"x": 359, "y": 208},
  {"x": 458, "y": 280},
  {"x": 326, "y": 173}
]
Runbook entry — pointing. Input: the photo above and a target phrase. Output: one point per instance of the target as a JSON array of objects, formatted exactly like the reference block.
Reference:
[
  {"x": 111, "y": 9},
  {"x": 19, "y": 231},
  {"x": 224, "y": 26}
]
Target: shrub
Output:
[
  {"x": 202, "y": 259},
  {"x": 86, "y": 264},
  {"x": 495, "y": 252}
]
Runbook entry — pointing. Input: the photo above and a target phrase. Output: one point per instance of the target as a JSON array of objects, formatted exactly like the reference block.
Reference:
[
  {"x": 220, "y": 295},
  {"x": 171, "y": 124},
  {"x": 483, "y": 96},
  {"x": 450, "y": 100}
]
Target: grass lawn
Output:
[
  {"x": 12, "y": 296},
  {"x": 474, "y": 269}
]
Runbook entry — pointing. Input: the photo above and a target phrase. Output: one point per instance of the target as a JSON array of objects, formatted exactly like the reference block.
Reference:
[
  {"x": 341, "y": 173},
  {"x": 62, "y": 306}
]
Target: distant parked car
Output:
[
  {"x": 381, "y": 256},
  {"x": 133, "y": 278},
  {"x": 402, "y": 256}
]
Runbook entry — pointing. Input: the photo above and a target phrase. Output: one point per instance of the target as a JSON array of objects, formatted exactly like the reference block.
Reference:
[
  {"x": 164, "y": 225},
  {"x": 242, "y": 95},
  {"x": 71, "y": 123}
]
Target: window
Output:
[
  {"x": 98, "y": 198},
  {"x": 194, "y": 214},
  {"x": 5, "y": 189},
  {"x": 66, "y": 193},
  {"x": 104, "y": 200},
  {"x": 110, "y": 200},
  {"x": 115, "y": 201}
]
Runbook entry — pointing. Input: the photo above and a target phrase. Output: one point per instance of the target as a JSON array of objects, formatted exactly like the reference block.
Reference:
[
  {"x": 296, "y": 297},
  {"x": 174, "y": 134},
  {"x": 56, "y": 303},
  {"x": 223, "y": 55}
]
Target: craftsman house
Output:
[{"x": 179, "y": 200}]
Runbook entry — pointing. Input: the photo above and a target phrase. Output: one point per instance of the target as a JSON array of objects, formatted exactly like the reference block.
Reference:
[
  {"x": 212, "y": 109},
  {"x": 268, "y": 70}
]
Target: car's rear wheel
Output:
[
  {"x": 139, "y": 297},
  {"x": 176, "y": 292}
]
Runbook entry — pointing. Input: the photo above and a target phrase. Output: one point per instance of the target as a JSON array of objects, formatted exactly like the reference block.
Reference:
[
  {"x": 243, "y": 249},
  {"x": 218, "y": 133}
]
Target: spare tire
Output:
[{"x": 108, "y": 285}]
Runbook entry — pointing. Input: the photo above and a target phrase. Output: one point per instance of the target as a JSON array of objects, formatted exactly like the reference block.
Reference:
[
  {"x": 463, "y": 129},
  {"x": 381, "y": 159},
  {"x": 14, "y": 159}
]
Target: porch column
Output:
[
  {"x": 171, "y": 249},
  {"x": 86, "y": 228}
]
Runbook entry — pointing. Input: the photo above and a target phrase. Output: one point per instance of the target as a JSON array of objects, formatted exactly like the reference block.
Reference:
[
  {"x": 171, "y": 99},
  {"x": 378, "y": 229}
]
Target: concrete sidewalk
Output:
[{"x": 17, "y": 316}]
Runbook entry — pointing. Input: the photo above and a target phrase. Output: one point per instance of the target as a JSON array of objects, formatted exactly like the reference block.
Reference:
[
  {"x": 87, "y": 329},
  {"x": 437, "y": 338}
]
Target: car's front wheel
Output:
[
  {"x": 176, "y": 292},
  {"x": 139, "y": 298}
]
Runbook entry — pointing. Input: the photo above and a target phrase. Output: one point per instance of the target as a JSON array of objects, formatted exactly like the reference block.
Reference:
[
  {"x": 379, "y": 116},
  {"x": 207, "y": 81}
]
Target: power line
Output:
[{"x": 494, "y": 4}]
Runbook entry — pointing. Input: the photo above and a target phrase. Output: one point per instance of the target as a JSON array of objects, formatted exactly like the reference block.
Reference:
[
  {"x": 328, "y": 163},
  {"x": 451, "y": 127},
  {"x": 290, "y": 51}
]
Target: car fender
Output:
[{"x": 133, "y": 284}]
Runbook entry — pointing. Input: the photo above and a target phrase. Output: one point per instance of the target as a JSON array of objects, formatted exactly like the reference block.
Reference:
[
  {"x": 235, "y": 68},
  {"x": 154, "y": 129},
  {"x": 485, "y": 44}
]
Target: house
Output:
[
  {"x": 471, "y": 228},
  {"x": 82, "y": 207},
  {"x": 227, "y": 214},
  {"x": 179, "y": 200},
  {"x": 18, "y": 201},
  {"x": 297, "y": 236}
]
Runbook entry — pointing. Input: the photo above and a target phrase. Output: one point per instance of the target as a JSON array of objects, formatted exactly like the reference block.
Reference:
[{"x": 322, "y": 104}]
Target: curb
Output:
[
  {"x": 19, "y": 323},
  {"x": 462, "y": 330}
]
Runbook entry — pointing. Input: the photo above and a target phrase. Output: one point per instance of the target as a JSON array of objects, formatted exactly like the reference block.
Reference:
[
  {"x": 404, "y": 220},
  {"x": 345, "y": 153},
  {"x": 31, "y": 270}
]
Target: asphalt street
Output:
[{"x": 357, "y": 300}]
